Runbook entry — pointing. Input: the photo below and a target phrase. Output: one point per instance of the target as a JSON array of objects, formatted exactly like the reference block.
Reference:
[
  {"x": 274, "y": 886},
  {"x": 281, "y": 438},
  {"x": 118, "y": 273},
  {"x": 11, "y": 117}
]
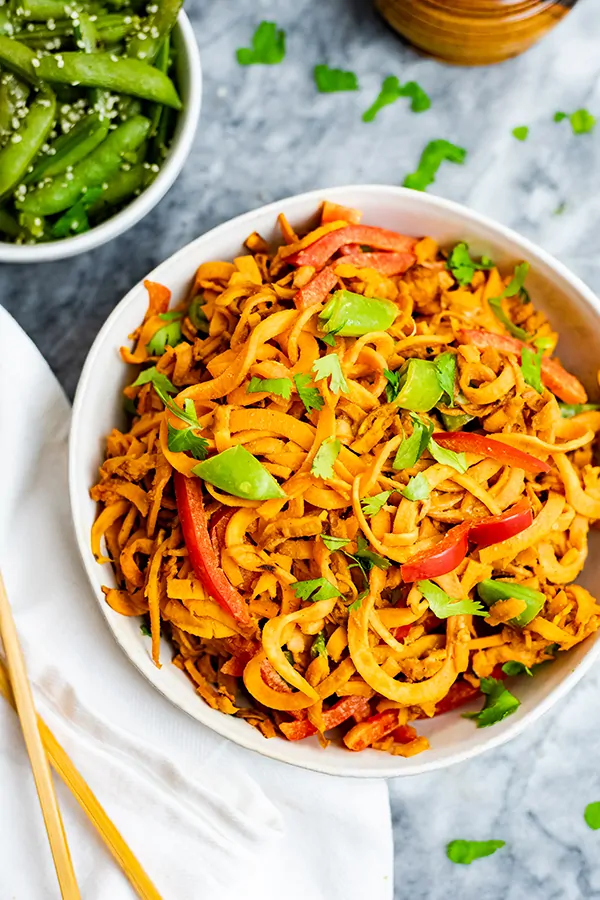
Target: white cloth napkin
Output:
[{"x": 206, "y": 818}]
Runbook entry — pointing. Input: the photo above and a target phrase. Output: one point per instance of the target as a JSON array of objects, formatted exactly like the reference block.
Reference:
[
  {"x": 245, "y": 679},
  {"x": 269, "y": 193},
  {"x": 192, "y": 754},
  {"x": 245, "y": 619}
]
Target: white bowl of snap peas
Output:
[{"x": 99, "y": 103}]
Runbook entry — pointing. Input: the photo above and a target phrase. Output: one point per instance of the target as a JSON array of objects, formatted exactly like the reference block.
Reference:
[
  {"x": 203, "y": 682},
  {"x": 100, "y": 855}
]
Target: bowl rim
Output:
[
  {"x": 148, "y": 199},
  {"x": 276, "y": 749}
]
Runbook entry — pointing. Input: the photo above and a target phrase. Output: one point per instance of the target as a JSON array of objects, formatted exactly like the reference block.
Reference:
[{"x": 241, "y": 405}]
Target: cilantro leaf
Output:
[
  {"x": 531, "y": 367},
  {"x": 181, "y": 439},
  {"x": 521, "y": 132},
  {"x": 445, "y": 365},
  {"x": 412, "y": 448},
  {"x": 315, "y": 589},
  {"x": 168, "y": 334},
  {"x": 331, "y": 366},
  {"x": 432, "y": 157},
  {"x": 157, "y": 379},
  {"x": 268, "y": 47},
  {"x": 392, "y": 90},
  {"x": 366, "y": 557},
  {"x": 499, "y": 703},
  {"x": 325, "y": 457},
  {"x": 330, "y": 80},
  {"x": 592, "y": 815},
  {"x": 282, "y": 387},
  {"x": 582, "y": 121},
  {"x": 457, "y": 461},
  {"x": 318, "y": 646},
  {"x": 462, "y": 266},
  {"x": 443, "y": 606},
  {"x": 372, "y": 505},
  {"x": 568, "y": 410},
  {"x": 543, "y": 343},
  {"x": 513, "y": 667},
  {"x": 356, "y": 604},
  {"x": 465, "y": 852},
  {"x": 310, "y": 396},
  {"x": 145, "y": 630},
  {"x": 334, "y": 543},
  {"x": 516, "y": 284},
  {"x": 417, "y": 488},
  {"x": 392, "y": 388}
]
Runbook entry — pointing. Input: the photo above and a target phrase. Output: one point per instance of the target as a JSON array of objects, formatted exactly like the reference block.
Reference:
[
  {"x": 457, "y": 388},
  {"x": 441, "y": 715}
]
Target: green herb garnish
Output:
[
  {"x": 568, "y": 410},
  {"x": 160, "y": 381},
  {"x": 592, "y": 815},
  {"x": 310, "y": 396},
  {"x": 268, "y": 47},
  {"x": 167, "y": 335},
  {"x": 531, "y": 367},
  {"x": 392, "y": 90},
  {"x": 521, "y": 132},
  {"x": 463, "y": 267},
  {"x": 443, "y": 606},
  {"x": 499, "y": 703},
  {"x": 582, "y": 121},
  {"x": 331, "y": 366},
  {"x": 372, "y": 505},
  {"x": 513, "y": 667},
  {"x": 417, "y": 488},
  {"x": 325, "y": 457},
  {"x": 282, "y": 387},
  {"x": 315, "y": 589},
  {"x": 330, "y": 80},
  {"x": 466, "y": 852},
  {"x": 445, "y": 365},
  {"x": 457, "y": 461},
  {"x": 318, "y": 646},
  {"x": 334, "y": 543},
  {"x": 412, "y": 448},
  {"x": 432, "y": 157}
]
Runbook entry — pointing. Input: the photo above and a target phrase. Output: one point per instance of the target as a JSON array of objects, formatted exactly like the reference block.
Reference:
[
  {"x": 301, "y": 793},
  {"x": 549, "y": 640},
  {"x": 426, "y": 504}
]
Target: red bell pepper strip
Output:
[
  {"x": 333, "y": 212},
  {"x": 482, "y": 445},
  {"x": 554, "y": 377},
  {"x": 460, "y": 693},
  {"x": 492, "y": 529},
  {"x": 405, "y": 734},
  {"x": 317, "y": 290},
  {"x": 322, "y": 250},
  {"x": 374, "y": 729},
  {"x": 440, "y": 559},
  {"x": 203, "y": 558},
  {"x": 400, "y": 632},
  {"x": 386, "y": 263},
  {"x": 339, "y": 713}
]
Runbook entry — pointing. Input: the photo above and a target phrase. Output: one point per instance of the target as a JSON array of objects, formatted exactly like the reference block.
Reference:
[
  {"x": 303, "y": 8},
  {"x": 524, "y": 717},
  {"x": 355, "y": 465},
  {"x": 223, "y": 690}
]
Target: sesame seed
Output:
[
  {"x": 16, "y": 138},
  {"x": 35, "y": 62}
]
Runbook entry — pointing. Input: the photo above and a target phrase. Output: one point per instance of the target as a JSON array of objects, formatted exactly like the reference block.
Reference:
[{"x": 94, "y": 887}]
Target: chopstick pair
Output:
[{"x": 42, "y": 748}]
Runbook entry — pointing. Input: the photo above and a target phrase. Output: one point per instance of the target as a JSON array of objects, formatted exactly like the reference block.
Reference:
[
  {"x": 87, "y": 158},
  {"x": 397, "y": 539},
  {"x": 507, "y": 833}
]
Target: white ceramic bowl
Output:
[
  {"x": 189, "y": 79},
  {"x": 571, "y": 306}
]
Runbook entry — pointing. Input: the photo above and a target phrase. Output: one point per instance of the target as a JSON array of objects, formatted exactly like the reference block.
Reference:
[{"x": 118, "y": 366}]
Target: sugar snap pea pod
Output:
[
  {"x": 70, "y": 148},
  {"x": 97, "y": 168},
  {"x": 121, "y": 187},
  {"x": 85, "y": 33},
  {"x": 18, "y": 58},
  {"x": 42, "y": 10},
  {"x": 6, "y": 108},
  {"x": 9, "y": 225},
  {"x": 33, "y": 225},
  {"x": 110, "y": 29},
  {"x": 146, "y": 43},
  {"x": 17, "y": 156},
  {"x": 125, "y": 76},
  {"x": 6, "y": 23},
  {"x": 162, "y": 64}
]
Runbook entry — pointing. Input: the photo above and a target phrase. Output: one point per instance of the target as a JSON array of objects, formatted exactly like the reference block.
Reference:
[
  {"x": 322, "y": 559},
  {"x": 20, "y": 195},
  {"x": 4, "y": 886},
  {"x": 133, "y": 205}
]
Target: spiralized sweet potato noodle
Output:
[{"x": 258, "y": 317}]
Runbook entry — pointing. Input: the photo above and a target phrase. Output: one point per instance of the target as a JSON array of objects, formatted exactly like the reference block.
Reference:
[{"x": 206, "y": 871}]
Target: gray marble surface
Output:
[{"x": 265, "y": 134}]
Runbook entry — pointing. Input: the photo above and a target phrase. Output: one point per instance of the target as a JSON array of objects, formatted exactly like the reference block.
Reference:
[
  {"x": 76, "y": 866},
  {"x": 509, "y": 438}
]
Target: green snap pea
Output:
[
  {"x": 351, "y": 315},
  {"x": 6, "y": 22},
  {"x": 33, "y": 225},
  {"x": 121, "y": 187},
  {"x": 110, "y": 29},
  {"x": 239, "y": 473},
  {"x": 162, "y": 64},
  {"x": 42, "y": 10},
  {"x": 126, "y": 76},
  {"x": 9, "y": 225},
  {"x": 6, "y": 108},
  {"x": 70, "y": 148},
  {"x": 17, "y": 155},
  {"x": 420, "y": 387},
  {"x": 95, "y": 169},
  {"x": 18, "y": 58},
  {"x": 455, "y": 423},
  {"x": 85, "y": 33},
  {"x": 145, "y": 45},
  {"x": 491, "y": 590}
]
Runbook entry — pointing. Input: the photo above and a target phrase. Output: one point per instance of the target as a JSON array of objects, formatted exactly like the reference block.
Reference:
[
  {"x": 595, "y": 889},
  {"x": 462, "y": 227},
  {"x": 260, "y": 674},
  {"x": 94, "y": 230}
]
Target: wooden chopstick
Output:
[
  {"x": 37, "y": 756},
  {"x": 112, "y": 838}
]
